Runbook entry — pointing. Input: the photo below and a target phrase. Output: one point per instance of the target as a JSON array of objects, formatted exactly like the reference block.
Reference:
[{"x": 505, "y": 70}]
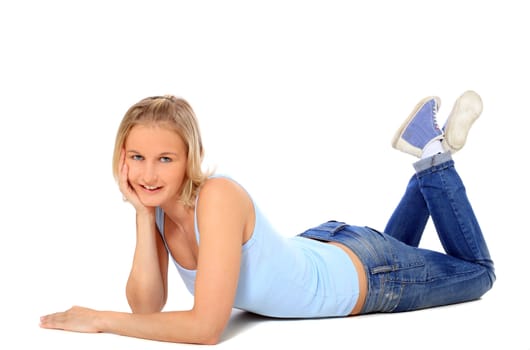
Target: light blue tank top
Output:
[{"x": 291, "y": 277}]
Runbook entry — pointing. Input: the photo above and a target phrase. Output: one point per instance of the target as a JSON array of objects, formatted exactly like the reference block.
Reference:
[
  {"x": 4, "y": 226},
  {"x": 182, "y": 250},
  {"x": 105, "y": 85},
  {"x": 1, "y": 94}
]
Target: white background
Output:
[{"x": 298, "y": 100}]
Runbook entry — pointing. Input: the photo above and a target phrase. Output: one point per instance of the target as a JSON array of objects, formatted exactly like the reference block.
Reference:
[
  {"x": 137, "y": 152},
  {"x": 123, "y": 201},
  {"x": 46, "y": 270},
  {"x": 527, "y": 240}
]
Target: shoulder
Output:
[
  {"x": 222, "y": 191},
  {"x": 224, "y": 206}
]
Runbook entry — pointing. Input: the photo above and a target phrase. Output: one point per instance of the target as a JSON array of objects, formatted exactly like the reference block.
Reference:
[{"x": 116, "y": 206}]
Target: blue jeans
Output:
[{"x": 403, "y": 277}]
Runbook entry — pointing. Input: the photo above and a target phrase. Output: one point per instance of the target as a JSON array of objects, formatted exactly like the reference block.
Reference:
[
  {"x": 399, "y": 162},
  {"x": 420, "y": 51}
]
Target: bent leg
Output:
[
  {"x": 451, "y": 211},
  {"x": 410, "y": 217}
]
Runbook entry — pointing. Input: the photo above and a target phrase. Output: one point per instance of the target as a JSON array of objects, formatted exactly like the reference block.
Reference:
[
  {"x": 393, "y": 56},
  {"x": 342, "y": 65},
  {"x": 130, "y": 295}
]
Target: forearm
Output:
[
  {"x": 174, "y": 326},
  {"x": 145, "y": 286}
]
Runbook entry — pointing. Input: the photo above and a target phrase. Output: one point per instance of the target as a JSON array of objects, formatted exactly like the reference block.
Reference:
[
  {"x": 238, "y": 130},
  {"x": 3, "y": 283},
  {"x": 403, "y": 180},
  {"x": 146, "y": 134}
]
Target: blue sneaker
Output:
[
  {"x": 420, "y": 128},
  {"x": 466, "y": 110}
]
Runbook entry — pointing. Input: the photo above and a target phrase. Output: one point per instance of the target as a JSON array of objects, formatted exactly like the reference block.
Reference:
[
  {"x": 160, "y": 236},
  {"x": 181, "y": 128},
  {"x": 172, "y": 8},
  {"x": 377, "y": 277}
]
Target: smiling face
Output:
[{"x": 157, "y": 159}]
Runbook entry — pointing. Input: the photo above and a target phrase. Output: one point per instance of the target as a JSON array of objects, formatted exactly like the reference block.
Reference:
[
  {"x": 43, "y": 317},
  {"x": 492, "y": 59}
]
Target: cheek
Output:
[
  {"x": 134, "y": 170},
  {"x": 175, "y": 175}
]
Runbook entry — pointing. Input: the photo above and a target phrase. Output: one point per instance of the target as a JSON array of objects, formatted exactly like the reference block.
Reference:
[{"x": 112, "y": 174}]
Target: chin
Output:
[
  {"x": 159, "y": 202},
  {"x": 151, "y": 202}
]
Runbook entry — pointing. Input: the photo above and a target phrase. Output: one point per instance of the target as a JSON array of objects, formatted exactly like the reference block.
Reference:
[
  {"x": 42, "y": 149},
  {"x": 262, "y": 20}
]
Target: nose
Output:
[{"x": 149, "y": 174}]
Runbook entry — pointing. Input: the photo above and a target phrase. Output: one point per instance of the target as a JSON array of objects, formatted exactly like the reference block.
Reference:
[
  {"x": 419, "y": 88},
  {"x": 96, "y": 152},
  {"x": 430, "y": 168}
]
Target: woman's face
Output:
[{"x": 157, "y": 160}]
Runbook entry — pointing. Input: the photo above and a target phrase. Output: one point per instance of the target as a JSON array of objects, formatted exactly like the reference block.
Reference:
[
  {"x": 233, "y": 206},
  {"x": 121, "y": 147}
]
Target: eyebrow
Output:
[{"x": 161, "y": 154}]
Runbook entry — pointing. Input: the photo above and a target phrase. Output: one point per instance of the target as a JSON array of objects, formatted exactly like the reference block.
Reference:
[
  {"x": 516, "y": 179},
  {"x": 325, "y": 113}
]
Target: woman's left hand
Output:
[{"x": 76, "y": 319}]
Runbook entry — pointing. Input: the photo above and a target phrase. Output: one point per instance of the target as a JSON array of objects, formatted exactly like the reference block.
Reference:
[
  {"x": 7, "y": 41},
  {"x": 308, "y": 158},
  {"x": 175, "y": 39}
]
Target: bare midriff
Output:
[{"x": 363, "y": 283}]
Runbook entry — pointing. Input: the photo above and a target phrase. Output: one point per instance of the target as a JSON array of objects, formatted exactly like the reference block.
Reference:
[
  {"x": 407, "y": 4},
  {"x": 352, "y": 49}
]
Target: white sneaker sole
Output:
[{"x": 466, "y": 110}]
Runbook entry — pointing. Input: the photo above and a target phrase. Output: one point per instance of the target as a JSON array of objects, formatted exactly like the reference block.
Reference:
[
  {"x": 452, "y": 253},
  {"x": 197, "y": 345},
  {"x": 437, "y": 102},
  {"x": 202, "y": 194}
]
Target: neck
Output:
[{"x": 178, "y": 212}]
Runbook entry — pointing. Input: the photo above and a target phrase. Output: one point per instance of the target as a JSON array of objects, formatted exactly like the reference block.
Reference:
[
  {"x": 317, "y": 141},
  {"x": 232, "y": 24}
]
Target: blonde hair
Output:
[{"x": 177, "y": 114}]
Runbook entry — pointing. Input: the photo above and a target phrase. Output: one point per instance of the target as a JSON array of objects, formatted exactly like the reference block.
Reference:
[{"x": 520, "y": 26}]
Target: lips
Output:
[{"x": 151, "y": 188}]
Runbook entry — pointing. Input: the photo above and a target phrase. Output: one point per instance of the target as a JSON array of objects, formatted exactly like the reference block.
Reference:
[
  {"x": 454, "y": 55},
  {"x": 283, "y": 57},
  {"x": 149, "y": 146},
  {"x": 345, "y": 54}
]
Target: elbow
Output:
[
  {"x": 202, "y": 336},
  {"x": 145, "y": 301},
  {"x": 210, "y": 341},
  {"x": 145, "y": 305},
  {"x": 143, "y": 309},
  {"x": 208, "y": 331},
  {"x": 208, "y": 336}
]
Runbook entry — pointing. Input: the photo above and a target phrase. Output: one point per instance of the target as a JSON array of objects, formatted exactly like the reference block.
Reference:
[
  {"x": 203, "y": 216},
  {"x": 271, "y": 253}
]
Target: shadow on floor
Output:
[{"x": 241, "y": 321}]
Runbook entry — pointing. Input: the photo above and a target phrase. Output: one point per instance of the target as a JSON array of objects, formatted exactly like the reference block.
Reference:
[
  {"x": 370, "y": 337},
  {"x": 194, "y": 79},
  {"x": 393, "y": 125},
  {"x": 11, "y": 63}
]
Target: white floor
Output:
[
  {"x": 484, "y": 324},
  {"x": 298, "y": 101}
]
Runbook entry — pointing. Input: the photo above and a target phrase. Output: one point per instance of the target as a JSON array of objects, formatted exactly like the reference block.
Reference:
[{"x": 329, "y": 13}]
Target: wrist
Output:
[
  {"x": 145, "y": 221},
  {"x": 145, "y": 213},
  {"x": 103, "y": 321},
  {"x": 100, "y": 322}
]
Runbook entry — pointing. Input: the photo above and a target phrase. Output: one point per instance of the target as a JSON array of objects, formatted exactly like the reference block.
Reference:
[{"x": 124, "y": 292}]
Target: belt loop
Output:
[{"x": 338, "y": 228}]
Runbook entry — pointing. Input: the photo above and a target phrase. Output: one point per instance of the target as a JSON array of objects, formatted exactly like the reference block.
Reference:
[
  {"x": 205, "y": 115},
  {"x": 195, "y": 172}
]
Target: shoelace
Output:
[{"x": 435, "y": 115}]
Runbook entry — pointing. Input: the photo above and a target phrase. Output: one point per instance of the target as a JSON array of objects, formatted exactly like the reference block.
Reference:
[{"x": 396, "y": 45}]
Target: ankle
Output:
[{"x": 433, "y": 147}]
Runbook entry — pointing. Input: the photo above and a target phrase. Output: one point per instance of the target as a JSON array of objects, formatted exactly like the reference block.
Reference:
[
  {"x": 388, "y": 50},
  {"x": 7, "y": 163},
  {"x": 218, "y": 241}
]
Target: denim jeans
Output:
[{"x": 403, "y": 277}]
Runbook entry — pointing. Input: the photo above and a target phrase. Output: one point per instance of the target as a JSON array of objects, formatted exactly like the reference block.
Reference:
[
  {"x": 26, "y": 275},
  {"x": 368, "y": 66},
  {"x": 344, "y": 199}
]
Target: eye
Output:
[
  {"x": 165, "y": 159},
  {"x": 137, "y": 157}
]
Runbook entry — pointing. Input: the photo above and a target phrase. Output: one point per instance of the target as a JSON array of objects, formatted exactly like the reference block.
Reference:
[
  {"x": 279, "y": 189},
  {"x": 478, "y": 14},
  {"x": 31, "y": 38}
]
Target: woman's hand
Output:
[
  {"x": 76, "y": 319},
  {"x": 128, "y": 192}
]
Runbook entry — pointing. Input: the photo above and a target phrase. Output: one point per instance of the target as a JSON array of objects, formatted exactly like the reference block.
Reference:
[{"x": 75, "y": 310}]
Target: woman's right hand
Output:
[
  {"x": 128, "y": 192},
  {"x": 147, "y": 283}
]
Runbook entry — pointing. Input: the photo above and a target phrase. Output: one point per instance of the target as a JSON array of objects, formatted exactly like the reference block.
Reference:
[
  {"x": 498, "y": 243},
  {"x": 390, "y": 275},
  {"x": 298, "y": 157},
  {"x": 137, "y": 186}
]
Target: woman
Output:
[{"x": 229, "y": 255}]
